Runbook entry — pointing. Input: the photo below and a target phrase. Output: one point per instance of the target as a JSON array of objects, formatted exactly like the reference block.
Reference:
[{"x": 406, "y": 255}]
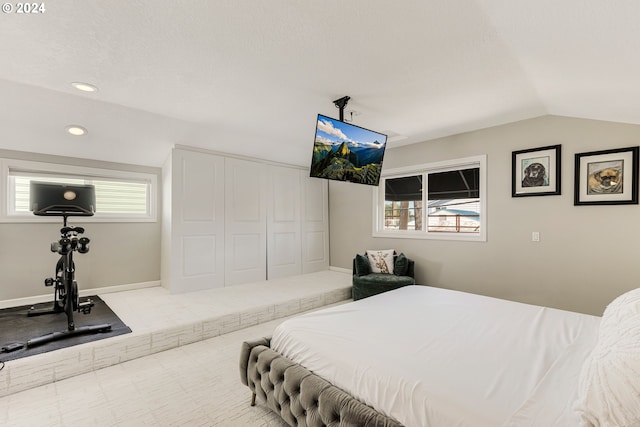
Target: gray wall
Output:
[
  {"x": 120, "y": 253},
  {"x": 587, "y": 255}
]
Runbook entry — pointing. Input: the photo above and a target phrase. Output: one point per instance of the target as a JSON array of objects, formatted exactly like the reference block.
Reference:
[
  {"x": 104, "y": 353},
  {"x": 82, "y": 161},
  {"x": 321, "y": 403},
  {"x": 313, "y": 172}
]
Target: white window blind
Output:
[
  {"x": 443, "y": 200},
  {"x": 120, "y": 197}
]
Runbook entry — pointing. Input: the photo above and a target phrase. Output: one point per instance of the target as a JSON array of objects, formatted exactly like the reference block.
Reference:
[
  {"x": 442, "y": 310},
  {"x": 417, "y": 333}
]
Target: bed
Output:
[{"x": 423, "y": 356}]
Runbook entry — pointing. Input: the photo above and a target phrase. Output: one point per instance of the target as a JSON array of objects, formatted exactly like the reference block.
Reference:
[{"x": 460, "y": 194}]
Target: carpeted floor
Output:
[
  {"x": 196, "y": 385},
  {"x": 16, "y": 328}
]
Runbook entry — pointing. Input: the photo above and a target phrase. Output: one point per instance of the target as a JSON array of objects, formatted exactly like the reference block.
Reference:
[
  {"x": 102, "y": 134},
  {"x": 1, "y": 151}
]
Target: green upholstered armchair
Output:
[{"x": 366, "y": 283}]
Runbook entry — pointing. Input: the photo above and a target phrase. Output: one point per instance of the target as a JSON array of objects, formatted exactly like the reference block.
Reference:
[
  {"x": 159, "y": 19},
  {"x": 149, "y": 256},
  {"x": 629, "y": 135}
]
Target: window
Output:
[
  {"x": 443, "y": 200},
  {"x": 454, "y": 201},
  {"x": 120, "y": 196},
  {"x": 403, "y": 203}
]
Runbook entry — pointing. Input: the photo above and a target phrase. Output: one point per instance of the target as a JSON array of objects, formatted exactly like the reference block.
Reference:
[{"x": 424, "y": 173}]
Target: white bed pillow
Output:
[
  {"x": 381, "y": 260},
  {"x": 609, "y": 383}
]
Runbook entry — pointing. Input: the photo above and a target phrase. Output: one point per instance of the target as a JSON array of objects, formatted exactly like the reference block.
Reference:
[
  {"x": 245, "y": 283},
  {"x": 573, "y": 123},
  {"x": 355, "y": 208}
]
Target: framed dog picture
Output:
[
  {"x": 536, "y": 172},
  {"x": 607, "y": 177}
]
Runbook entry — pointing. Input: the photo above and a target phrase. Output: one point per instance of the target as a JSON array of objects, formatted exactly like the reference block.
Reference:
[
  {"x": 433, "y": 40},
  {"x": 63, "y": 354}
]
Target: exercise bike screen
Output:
[{"x": 61, "y": 199}]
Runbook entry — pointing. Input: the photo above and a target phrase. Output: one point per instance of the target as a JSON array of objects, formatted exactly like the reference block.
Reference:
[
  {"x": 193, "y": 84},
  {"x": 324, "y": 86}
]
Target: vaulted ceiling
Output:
[{"x": 249, "y": 76}]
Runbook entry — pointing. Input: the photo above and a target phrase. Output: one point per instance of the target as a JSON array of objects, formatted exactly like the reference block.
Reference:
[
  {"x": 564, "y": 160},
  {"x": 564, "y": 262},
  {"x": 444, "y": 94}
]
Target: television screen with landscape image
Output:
[{"x": 346, "y": 152}]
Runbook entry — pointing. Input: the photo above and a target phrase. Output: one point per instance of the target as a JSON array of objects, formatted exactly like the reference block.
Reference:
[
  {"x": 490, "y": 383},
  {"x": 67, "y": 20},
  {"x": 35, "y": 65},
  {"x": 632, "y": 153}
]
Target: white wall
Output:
[{"x": 587, "y": 255}]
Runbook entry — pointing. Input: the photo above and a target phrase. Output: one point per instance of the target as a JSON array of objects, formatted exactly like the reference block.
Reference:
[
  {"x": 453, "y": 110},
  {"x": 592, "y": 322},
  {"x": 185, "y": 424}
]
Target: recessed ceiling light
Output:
[
  {"x": 76, "y": 130},
  {"x": 85, "y": 87}
]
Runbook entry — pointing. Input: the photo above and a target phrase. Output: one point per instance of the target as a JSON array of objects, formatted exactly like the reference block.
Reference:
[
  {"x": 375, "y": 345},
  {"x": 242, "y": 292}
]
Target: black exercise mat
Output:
[{"x": 18, "y": 328}]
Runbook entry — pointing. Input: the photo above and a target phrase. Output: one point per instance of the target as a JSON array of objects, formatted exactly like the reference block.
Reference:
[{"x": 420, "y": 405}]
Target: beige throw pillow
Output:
[{"x": 381, "y": 260}]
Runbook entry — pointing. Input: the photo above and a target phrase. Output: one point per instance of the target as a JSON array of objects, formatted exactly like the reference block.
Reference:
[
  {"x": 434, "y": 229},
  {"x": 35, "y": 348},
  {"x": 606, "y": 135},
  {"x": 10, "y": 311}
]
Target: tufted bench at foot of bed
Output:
[{"x": 300, "y": 397}]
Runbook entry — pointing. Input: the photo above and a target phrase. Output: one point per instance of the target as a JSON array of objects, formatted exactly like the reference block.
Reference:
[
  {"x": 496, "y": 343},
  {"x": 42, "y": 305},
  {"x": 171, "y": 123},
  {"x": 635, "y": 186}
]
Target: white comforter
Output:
[{"x": 439, "y": 358}]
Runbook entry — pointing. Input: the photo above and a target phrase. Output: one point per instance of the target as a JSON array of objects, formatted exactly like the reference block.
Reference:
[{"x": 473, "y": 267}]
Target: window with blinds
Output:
[
  {"x": 444, "y": 200},
  {"x": 122, "y": 196}
]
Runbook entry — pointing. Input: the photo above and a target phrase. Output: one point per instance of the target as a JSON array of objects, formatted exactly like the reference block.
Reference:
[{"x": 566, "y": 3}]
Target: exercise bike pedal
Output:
[
  {"x": 85, "y": 307},
  {"x": 49, "y": 281}
]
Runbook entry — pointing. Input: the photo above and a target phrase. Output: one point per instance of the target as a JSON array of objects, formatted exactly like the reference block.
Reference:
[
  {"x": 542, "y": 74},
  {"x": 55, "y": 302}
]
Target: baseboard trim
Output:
[
  {"x": 340, "y": 269},
  {"x": 17, "y": 302}
]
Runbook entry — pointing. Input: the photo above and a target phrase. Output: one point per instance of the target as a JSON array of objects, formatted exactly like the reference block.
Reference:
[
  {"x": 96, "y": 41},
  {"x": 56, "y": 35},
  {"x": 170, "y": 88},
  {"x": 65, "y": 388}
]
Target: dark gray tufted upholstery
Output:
[{"x": 300, "y": 397}]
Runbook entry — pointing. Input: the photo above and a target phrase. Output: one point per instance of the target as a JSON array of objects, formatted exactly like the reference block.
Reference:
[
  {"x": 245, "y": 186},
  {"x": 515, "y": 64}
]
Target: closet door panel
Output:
[
  {"x": 197, "y": 233},
  {"x": 245, "y": 213},
  {"x": 315, "y": 224},
  {"x": 283, "y": 223}
]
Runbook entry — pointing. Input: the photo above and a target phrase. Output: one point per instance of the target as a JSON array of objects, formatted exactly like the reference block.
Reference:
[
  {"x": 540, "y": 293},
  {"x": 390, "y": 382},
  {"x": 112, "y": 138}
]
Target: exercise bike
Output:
[{"x": 65, "y": 200}]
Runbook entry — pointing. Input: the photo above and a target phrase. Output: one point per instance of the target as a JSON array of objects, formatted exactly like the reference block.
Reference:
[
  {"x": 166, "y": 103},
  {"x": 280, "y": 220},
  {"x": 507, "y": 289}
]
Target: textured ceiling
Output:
[{"x": 249, "y": 77}]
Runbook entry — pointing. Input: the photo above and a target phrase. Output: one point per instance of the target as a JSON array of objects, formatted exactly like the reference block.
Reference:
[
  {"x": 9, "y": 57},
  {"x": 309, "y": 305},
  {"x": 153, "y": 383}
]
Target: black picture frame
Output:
[
  {"x": 536, "y": 171},
  {"x": 607, "y": 177}
]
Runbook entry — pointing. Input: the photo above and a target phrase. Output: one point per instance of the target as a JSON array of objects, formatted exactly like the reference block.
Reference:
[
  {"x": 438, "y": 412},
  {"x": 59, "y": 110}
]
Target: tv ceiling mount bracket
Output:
[{"x": 341, "y": 104}]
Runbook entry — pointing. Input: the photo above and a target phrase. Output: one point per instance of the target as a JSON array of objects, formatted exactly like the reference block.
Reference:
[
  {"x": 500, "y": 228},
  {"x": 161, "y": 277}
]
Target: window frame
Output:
[
  {"x": 378, "y": 230},
  {"x": 25, "y": 167}
]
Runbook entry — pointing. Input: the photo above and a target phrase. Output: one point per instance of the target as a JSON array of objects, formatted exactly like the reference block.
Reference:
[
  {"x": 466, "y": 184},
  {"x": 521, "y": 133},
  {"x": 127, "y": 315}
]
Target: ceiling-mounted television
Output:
[{"x": 346, "y": 152}]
